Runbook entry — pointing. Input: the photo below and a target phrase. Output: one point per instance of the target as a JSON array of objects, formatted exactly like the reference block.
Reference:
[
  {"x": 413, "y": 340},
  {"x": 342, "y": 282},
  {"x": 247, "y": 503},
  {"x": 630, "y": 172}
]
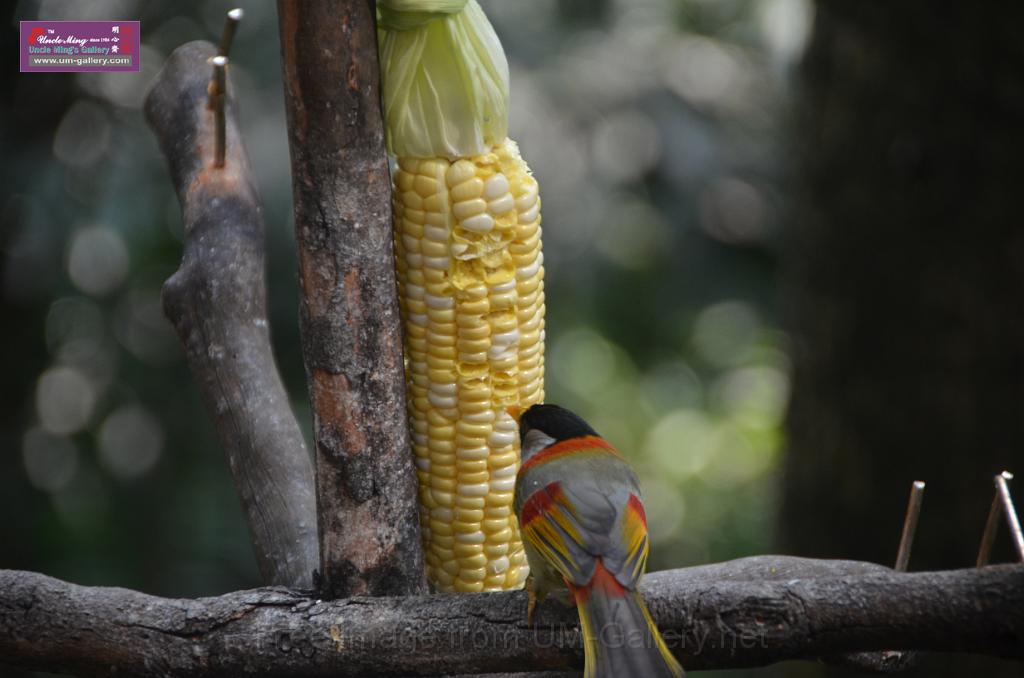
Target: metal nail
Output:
[
  {"x": 230, "y": 26},
  {"x": 910, "y": 525},
  {"x": 220, "y": 64}
]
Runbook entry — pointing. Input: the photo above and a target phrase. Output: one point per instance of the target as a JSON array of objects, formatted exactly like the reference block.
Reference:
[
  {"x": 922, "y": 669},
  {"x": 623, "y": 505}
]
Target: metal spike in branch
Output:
[
  {"x": 218, "y": 83},
  {"x": 1012, "y": 521},
  {"x": 220, "y": 65},
  {"x": 888, "y": 661},
  {"x": 910, "y": 525},
  {"x": 227, "y": 38},
  {"x": 1003, "y": 501},
  {"x": 234, "y": 17}
]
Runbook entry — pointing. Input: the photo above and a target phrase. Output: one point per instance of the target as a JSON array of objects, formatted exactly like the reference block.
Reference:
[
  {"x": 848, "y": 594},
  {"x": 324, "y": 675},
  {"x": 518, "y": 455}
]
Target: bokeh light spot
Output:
[
  {"x": 130, "y": 441},
  {"x": 673, "y": 384},
  {"x": 723, "y": 332},
  {"x": 583, "y": 361},
  {"x": 72, "y": 319},
  {"x": 50, "y": 460},
  {"x": 83, "y": 135},
  {"x": 632, "y": 234},
  {"x": 753, "y": 396},
  {"x": 733, "y": 211},
  {"x": 681, "y": 443},
  {"x": 786, "y": 25},
  {"x": 97, "y": 260},
  {"x": 736, "y": 458},
  {"x": 701, "y": 70},
  {"x": 77, "y": 336},
  {"x": 626, "y": 145},
  {"x": 64, "y": 400}
]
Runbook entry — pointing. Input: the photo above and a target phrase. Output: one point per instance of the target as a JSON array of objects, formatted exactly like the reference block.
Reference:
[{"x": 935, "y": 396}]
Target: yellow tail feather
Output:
[{"x": 620, "y": 639}]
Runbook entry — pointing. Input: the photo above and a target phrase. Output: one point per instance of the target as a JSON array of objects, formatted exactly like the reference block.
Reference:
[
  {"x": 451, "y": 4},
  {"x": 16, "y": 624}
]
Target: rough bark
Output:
[
  {"x": 217, "y": 303},
  {"x": 351, "y": 331},
  {"x": 749, "y": 612}
]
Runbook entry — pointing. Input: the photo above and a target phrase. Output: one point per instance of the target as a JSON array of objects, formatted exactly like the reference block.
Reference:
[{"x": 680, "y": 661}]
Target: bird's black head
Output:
[{"x": 553, "y": 421}]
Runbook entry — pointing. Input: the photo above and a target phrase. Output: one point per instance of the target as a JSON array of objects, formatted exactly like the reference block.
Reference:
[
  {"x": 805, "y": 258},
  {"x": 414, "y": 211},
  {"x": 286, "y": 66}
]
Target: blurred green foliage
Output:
[{"x": 654, "y": 128}]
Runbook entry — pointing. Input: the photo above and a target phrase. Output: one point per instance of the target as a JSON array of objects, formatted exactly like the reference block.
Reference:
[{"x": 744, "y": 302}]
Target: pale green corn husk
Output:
[
  {"x": 445, "y": 79},
  {"x": 407, "y": 14}
]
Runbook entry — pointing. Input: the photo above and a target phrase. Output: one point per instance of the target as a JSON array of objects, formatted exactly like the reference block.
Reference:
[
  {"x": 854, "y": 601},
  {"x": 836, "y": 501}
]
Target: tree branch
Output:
[
  {"x": 217, "y": 303},
  {"x": 351, "y": 334},
  {"x": 748, "y": 612}
]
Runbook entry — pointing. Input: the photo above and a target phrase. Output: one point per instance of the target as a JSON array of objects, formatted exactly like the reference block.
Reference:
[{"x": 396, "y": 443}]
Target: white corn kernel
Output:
[{"x": 480, "y": 223}]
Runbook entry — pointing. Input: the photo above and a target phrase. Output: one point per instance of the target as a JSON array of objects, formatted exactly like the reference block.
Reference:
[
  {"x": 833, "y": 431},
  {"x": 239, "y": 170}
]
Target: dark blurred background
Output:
[{"x": 751, "y": 208}]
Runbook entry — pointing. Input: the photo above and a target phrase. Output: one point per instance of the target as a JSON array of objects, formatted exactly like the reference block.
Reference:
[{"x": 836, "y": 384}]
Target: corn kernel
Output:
[{"x": 467, "y": 190}]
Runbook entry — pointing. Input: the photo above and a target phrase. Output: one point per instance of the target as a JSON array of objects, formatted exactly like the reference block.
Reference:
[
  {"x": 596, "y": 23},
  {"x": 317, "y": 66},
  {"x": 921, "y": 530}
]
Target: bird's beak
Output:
[{"x": 515, "y": 411}]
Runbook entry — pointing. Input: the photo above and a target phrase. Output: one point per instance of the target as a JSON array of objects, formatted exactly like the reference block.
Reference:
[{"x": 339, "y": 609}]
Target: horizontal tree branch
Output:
[
  {"x": 217, "y": 303},
  {"x": 749, "y": 612}
]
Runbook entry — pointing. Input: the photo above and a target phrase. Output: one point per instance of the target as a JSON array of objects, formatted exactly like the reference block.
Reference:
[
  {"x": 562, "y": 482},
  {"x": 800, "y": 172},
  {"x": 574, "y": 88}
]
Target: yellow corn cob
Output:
[
  {"x": 470, "y": 275},
  {"x": 467, "y": 242}
]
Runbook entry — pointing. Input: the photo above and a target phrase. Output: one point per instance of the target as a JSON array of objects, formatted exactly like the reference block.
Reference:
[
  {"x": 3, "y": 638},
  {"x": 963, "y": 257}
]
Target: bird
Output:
[{"x": 584, "y": 529}]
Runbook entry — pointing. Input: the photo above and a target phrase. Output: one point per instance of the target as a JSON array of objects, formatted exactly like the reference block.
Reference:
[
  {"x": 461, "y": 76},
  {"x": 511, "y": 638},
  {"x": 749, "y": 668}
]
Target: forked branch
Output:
[{"x": 217, "y": 303}]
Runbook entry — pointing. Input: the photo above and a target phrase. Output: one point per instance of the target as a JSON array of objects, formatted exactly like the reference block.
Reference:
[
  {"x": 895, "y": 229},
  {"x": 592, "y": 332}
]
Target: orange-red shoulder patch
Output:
[
  {"x": 638, "y": 508},
  {"x": 540, "y": 502},
  {"x": 568, "y": 447}
]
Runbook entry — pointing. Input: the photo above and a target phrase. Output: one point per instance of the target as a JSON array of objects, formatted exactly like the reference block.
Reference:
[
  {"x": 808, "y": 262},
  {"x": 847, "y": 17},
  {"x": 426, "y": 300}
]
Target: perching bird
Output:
[{"x": 584, "y": 527}]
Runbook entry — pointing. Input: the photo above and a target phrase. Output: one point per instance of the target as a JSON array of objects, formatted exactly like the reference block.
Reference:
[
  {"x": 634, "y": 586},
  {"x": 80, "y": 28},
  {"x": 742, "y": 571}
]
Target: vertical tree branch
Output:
[
  {"x": 217, "y": 303},
  {"x": 351, "y": 334}
]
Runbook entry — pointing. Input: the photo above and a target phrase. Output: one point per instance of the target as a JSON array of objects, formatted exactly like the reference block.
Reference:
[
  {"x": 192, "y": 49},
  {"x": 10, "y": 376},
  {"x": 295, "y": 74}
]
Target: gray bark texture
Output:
[
  {"x": 217, "y": 303},
  {"x": 748, "y": 612},
  {"x": 351, "y": 330}
]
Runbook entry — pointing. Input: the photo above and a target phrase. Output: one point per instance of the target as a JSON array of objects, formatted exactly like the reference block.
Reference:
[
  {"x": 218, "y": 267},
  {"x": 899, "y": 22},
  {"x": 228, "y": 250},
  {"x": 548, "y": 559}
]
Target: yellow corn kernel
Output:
[
  {"x": 466, "y": 502},
  {"x": 463, "y": 586}
]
